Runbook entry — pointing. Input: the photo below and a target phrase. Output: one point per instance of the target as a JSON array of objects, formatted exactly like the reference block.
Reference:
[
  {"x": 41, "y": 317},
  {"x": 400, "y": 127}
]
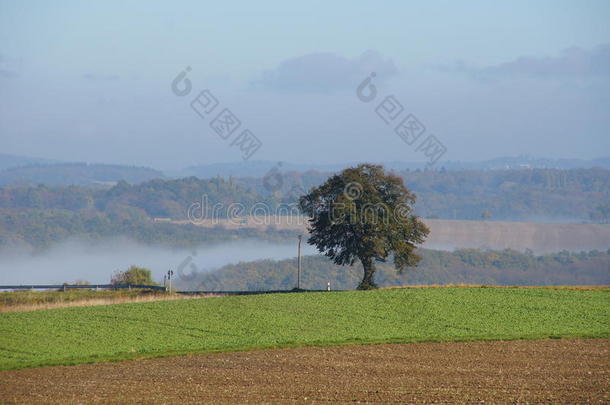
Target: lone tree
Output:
[{"x": 364, "y": 214}]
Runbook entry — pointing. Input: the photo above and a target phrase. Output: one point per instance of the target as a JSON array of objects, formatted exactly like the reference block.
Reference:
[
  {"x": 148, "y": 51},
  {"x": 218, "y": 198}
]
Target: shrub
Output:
[{"x": 133, "y": 275}]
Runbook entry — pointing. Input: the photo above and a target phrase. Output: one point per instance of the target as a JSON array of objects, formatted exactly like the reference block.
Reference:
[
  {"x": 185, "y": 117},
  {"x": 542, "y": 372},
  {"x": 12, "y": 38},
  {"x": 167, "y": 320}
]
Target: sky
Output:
[{"x": 85, "y": 81}]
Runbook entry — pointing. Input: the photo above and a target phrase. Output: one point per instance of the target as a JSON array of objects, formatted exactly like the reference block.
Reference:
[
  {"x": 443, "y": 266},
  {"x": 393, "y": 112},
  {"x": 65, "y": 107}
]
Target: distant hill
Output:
[
  {"x": 541, "y": 195},
  {"x": 41, "y": 214},
  {"x": 252, "y": 169},
  {"x": 49, "y": 213},
  {"x": 260, "y": 168},
  {"x": 467, "y": 266},
  {"x": 527, "y": 162},
  {"x": 61, "y": 174},
  {"x": 10, "y": 161}
]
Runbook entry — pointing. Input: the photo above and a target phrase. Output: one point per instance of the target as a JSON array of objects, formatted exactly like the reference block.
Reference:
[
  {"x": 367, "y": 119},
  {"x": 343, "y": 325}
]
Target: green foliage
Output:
[
  {"x": 133, "y": 275},
  {"x": 463, "y": 266},
  {"x": 364, "y": 214},
  {"x": 114, "y": 332},
  {"x": 506, "y": 194},
  {"x": 171, "y": 198},
  {"x": 40, "y": 215},
  {"x": 154, "y": 198},
  {"x": 514, "y": 195},
  {"x": 41, "y": 228}
]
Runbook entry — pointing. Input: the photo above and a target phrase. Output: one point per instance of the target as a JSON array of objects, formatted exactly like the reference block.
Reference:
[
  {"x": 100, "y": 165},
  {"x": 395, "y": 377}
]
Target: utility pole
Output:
[
  {"x": 170, "y": 273},
  {"x": 299, "y": 264}
]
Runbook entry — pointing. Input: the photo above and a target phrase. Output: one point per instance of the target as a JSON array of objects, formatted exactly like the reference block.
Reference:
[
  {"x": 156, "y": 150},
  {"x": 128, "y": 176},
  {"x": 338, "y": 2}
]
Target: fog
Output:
[
  {"x": 96, "y": 262},
  {"x": 315, "y": 83}
]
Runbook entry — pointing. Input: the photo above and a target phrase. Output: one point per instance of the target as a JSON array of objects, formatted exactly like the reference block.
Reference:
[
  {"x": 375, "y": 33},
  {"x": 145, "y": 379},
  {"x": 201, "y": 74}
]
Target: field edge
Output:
[{"x": 128, "y": 356}]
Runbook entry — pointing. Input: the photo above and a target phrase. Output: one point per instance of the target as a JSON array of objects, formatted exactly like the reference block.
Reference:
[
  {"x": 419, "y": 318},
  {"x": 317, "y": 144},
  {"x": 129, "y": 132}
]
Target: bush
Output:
[{"x": 133, "y": 275}]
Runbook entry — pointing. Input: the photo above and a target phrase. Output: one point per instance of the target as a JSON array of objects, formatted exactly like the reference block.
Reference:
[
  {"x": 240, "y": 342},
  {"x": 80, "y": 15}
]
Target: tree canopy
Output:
[
  {"x": 133, "y": 275},
  {"x": 364, "y": 214}
]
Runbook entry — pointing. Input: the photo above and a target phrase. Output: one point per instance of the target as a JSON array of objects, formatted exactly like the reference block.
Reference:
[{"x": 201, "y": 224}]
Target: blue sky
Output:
[{"x": 90, "y": 81}]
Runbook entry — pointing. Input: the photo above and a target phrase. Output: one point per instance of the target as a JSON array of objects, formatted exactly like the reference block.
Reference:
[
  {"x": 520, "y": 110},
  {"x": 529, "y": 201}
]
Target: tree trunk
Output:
[{"x": 367, "y": 282}]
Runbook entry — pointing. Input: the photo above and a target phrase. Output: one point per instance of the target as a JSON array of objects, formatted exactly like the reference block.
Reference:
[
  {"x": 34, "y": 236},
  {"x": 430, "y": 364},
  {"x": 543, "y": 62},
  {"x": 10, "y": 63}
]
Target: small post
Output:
[
  {"x": 299, "y": 264},
  {"x": 328, "y": 286},
  {"x": 170, "y": 273}
]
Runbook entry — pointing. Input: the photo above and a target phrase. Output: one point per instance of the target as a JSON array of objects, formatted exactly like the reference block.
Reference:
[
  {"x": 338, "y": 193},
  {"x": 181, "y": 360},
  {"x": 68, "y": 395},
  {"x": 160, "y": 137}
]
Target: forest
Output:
[
  {"x": 463, "y": 266},
  {"x": 37, "y": 215}
]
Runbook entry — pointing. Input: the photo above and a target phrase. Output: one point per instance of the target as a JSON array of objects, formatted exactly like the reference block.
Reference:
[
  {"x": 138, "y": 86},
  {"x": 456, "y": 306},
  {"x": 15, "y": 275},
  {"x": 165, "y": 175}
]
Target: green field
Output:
[{"x": 124, "y": 331}]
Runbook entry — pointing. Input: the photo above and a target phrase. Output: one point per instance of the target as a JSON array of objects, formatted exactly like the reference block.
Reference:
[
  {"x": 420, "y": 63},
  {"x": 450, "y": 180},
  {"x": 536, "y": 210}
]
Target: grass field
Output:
[{"x": 156, "y": 329}]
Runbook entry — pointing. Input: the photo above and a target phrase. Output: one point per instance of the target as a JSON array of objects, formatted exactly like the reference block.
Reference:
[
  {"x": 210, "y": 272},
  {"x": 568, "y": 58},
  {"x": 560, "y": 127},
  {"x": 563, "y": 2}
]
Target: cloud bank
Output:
[
  {"x": 575, "y": 61},
  {"x": 325, "y": 72}
]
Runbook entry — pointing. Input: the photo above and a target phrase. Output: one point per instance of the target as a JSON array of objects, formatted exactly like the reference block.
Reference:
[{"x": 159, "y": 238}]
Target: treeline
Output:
[
  {"x": 467, "y": 266},
  {"x": 509, "y": 195},
  {"x": 155, "y": 198},
  {"x": 39, "y": 229},
  {"x": 38, "y": 216},
  {"x": 127, "y": 209},
  {"x": 524, "y": 195}
]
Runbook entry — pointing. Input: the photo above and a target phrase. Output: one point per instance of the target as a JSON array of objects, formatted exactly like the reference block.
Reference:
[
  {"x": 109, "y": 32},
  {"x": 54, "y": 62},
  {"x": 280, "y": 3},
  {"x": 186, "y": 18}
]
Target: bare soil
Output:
[{"x": 545, "y": 371}]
